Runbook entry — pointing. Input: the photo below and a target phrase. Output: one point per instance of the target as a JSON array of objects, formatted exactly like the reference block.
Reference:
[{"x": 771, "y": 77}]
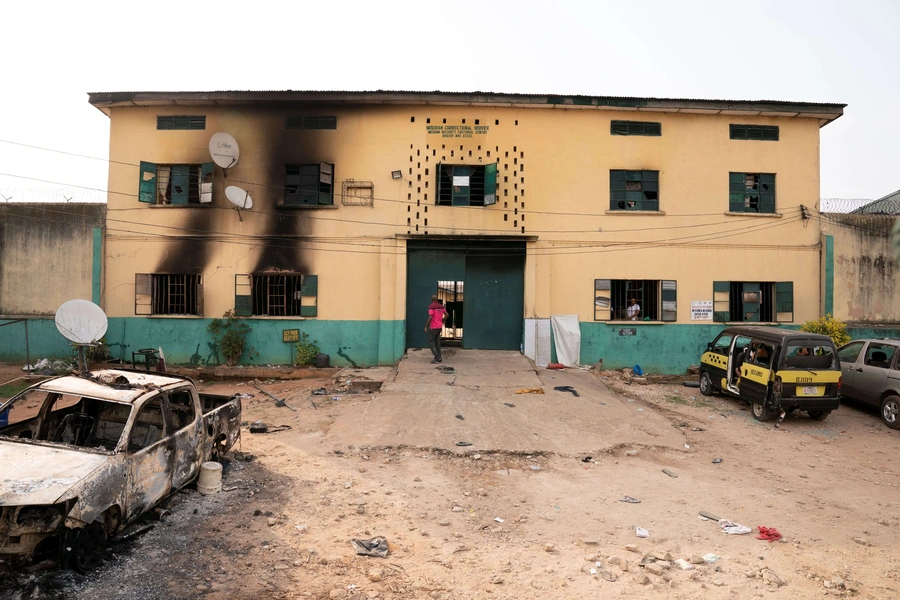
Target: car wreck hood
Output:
[{"x": 32, "y": 474}]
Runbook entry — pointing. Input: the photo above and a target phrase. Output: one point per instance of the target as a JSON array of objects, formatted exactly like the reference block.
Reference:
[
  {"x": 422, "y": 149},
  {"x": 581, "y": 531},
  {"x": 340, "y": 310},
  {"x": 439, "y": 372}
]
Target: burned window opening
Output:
[
  {"x": 633, "y": 190},
  {"x": 751, "y": 192},
  {"x": 310, "y": 122},
  {"x": 168, "y": 294},
  {"x": 177, "y": 185},
  {"x": 276, "y": 295},
  {"x": 309, "y": 185}
]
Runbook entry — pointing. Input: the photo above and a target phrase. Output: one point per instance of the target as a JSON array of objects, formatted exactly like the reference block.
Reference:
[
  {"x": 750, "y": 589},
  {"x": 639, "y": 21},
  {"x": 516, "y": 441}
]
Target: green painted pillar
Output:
[
  {"x": 96, "y": 270},
  {"x": 829, "y": 275}
]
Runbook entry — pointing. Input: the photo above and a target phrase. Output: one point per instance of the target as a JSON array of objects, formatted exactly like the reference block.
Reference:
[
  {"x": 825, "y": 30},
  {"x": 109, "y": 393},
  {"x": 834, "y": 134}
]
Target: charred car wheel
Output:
[
  {"x": 760, "y": 411},
  {"x": 890, "y": 411},
  {"x": 819, "y": 415},
  {"x": 83, "y": 548},
  {"x": 706, "y": 386}
]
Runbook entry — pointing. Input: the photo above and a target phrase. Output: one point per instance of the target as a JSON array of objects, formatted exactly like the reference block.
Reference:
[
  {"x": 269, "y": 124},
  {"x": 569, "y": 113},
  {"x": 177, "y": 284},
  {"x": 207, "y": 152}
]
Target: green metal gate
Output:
[{"x": 494, "y": 276}]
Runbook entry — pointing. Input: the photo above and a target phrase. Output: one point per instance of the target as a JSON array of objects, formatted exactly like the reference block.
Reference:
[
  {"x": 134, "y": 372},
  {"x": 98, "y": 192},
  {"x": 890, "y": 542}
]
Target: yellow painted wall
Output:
[{"x": 553, "y": 181}]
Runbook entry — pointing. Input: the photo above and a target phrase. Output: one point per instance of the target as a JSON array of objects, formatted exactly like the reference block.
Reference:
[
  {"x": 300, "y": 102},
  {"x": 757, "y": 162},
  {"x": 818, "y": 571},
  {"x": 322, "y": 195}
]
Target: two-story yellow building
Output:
[{"x": 653, "y": 220}]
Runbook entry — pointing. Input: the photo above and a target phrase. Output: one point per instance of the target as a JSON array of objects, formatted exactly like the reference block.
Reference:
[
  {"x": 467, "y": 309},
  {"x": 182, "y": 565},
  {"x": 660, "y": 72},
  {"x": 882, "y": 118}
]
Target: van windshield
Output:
[{"x": 809, "y": 356}]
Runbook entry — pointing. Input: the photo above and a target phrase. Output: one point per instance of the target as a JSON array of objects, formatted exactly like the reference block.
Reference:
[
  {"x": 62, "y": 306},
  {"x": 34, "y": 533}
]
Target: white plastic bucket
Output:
[{"x": 210, "y": 480}]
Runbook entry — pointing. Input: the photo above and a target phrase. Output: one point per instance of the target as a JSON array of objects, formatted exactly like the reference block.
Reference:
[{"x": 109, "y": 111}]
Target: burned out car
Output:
[{"x": 86, "y": 454}]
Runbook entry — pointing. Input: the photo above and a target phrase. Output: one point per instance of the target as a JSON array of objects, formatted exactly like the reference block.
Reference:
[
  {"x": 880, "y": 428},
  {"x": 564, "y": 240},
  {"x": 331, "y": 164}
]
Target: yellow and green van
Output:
[{"x": 775, "y": 370}]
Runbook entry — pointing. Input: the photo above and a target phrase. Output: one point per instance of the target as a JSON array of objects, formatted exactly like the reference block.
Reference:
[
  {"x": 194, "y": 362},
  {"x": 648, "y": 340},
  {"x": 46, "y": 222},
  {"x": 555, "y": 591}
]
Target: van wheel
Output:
[
  {"x": 890, "y": 411},
  {"x": 706, "y": 386},
  {"x": 819, "y": 415},
  {"x": 760, "y": 411}
]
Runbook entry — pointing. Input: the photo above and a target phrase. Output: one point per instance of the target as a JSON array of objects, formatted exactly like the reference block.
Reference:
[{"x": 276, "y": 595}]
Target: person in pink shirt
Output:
[{"x": 436, "y": 315}]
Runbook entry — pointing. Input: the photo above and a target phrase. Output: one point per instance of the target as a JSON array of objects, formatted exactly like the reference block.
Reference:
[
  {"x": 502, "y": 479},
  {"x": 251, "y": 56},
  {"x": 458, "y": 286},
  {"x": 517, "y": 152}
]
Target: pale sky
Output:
[{"x": 812, "y": 51}]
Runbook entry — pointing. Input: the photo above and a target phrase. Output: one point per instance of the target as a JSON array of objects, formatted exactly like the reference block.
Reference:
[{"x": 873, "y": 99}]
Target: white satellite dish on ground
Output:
[
  {"x": 83, "y": 323},
  {"x": 240, "y": 198},
  {"x": 223, "y": 149}
]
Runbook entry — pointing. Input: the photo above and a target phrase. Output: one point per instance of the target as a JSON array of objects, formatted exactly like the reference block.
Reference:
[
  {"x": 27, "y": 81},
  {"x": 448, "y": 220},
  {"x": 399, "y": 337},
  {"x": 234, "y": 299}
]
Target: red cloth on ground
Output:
[{"x": 768, "y": 533}]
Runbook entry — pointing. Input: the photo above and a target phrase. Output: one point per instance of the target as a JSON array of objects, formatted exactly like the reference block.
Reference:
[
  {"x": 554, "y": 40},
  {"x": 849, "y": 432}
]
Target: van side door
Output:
[
  {"x": 849, "y": 355},
  {"x": 871, "y": 381}
]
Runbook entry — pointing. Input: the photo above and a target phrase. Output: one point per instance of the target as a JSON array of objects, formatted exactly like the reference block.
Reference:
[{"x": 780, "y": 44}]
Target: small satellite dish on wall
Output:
[
  {"x": 240, "y": 198},
  {"x": 223, "y": 149},
  {"x": 83, "y": 323}
]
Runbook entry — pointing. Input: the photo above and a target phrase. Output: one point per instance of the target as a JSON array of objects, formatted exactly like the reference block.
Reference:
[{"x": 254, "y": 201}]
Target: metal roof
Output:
[
  {"x": 824, "y": 112},
  {"x": 889, "y": 205}
]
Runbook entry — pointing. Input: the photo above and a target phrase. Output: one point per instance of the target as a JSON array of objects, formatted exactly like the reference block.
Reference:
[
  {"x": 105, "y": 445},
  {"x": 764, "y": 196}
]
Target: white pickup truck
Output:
[{"x": 84, "y": 455}]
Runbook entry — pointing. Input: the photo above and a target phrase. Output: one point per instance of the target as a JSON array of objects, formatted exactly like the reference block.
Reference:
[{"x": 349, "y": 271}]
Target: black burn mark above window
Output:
[{"x": 190, "y": 253}]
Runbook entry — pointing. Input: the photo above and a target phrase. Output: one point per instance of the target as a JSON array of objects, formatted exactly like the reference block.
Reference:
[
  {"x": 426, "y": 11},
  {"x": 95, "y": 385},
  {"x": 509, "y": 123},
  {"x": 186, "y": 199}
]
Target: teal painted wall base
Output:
[{"x": 186, "y": 341}]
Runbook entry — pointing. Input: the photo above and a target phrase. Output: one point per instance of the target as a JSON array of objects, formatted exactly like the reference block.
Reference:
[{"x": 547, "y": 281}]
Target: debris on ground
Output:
[
  {"x": 530, "y": 391},
  {"x": 376, "y": 546},
  {"x": 641, "y": 532},
  {"x": 630, "y": 500},
  {"x": 733, "y": 528},
  {"x": 669, "y": 473},
  {"x": 509, "y": 404},
  {"x": 567, "y": 388},
  {"x": 768, "y": 533}
]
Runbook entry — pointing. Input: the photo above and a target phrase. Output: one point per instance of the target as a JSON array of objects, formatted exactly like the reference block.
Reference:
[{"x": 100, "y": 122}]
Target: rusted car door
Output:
[
  {"x": 149, "y": 458},
  {"x": 187, "y": 425}
]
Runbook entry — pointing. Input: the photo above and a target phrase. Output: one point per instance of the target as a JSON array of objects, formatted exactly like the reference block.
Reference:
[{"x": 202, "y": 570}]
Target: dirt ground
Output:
[{"x": 502, "y": 525}]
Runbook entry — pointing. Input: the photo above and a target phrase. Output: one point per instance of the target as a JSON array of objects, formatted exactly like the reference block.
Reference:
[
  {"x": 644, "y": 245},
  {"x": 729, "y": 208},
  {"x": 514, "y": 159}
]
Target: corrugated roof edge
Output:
[{"x": 825, "y": 111}]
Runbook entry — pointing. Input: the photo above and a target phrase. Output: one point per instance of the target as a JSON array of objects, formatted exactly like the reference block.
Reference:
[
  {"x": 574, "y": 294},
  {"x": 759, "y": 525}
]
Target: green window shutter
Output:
[
  {"x": 784, "y": 302},
  {"x": 490, "y": 184},
  {"x": 181, "y": 183},
  {"x": 243, "y": 301},
  {"x": 749, "y": 307},
  {"x": 147, "y": 183},
  {"x": 721, "y": 306},
  {"x": 326, "y": 184},
  {"x": 309, "y": 296},
  {"x": 618, "y": 127},
  {"x": 669, "y": 297},
  {"x": 602, "y": 299},
  {"x": 143, "y": 293},
  {"x": 206, "y": 182}
]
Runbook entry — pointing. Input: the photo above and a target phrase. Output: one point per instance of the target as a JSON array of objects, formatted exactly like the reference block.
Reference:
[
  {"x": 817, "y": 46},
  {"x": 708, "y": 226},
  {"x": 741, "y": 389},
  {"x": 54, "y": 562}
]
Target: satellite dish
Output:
[
  {"x": 239, "y": 197},
  {"x": 224, "y": 150},
  {"x": 81, "y": 322}
]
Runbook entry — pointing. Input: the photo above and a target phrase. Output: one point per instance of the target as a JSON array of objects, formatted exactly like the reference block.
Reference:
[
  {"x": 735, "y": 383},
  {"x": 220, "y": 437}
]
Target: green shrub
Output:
[
  {"x": 231, "y": 336},
  {"x": 828, "y": 325},
  {"x": 307, "y": 351}
]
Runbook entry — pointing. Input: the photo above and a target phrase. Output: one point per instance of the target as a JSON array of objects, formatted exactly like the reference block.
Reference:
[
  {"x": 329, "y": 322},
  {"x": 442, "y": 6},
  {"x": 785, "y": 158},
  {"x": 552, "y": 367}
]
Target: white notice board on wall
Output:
[{"x": 701, "y": 310}]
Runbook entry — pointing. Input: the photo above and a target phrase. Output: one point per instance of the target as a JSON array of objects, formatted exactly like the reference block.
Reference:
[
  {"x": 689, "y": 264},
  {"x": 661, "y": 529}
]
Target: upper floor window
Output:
[
  {"x": 181, "y": 122},
  {"x": 635, "y": 300},
  {"x": 633, "y": 190},
  {"x": 744, "y": 301},
  {"x": 310, "y": 122},
  {"x": 276, "y": 295},
  {"x": 635, "y": 128},
  {"x": 175, "y": 184},
  {"x": 767, "y": 133},
  {"x": 309, "y": 185},
  {"x": 467, "y": 185},
  {"x": 168, "y": 294},
  {"x": 751, "y": 192}
]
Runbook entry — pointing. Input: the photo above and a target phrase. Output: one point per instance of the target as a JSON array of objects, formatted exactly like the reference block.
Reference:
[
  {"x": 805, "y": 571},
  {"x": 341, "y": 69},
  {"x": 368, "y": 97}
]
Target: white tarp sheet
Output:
[{"x": 566, "y": 338}]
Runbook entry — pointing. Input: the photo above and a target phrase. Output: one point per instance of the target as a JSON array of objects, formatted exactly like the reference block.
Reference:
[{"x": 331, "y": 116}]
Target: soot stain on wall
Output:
[{"x": 280, "y": 249}]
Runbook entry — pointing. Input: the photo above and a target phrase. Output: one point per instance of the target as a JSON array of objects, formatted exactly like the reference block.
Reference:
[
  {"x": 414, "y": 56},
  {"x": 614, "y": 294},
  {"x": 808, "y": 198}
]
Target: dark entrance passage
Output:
[{"x": 482, "y": 284}]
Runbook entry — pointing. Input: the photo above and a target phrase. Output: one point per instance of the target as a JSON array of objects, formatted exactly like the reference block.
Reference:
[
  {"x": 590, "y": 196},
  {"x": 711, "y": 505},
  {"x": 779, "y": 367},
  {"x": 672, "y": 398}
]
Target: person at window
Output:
[
  {"x": 759, "y": 353},
  {"x": 633, "y": 311},
  {"x": 436, "y": 315}
]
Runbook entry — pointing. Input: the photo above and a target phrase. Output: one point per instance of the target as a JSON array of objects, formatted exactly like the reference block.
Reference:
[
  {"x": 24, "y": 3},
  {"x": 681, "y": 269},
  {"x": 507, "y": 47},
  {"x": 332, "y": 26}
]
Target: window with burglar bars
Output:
[
  {"x": 309, "y": 185},
  {"x": 276, "y": 295},
  {"x": 466, "y": 185},
  {"x": 635, "y": 128},
  {"x": 310, "y": 122},
  {"x": 633, "y": 190},
  {"x": 181, "y": 122},
  {"x": 751, "y": 192},
  {"x": 657, "y": 300},
  {"x": 766, "y": 133},
  {"x": 168, "y": 294},
  {"x": 764, "y": 302},
  {"x": 175, "y": 184}
]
